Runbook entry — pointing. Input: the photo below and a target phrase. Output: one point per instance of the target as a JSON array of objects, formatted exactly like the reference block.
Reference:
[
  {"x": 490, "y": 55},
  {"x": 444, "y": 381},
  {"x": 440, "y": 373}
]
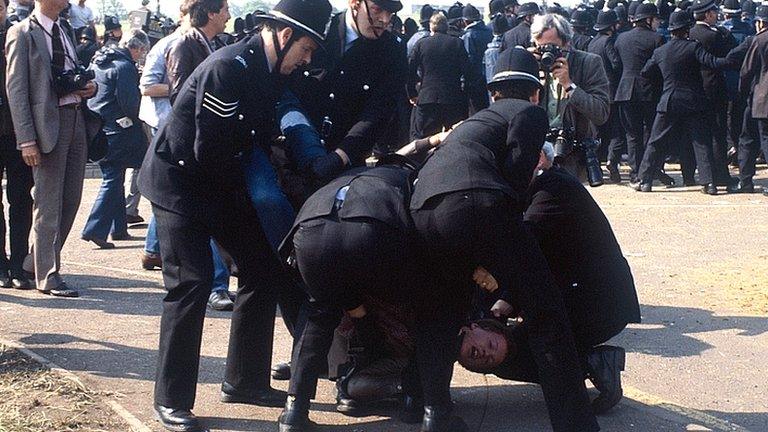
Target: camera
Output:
[
  {"x": 549, "y": 53},
  {"x": 586, "y": 153},
  {"x": 72, "y": 80}
]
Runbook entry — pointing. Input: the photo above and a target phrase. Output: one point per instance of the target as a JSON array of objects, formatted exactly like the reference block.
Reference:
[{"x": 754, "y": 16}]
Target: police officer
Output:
[
  {"x": 425, "y": 14},
  {"x": 476, "y": 38},
  {"x": 681, "y": 111},
  {"x": 718, "y": 41},
  {"x": 611, "y": 133},
  {"x": 753, "y": 83},
  {"x": 456, "y": 20},
  {"x": 636, "y": 96},
  {"x": 194, "y": 178},
  {"x": 740, "y": 30},
  {"x": 347, "y": 247},
  {"x": 581, "y": 21},
  {"x": 467, "y": 207},
  {"x": 113, "y": 31},
  {"x": 521, "y": 33},
  {"x": 348, "y": 89}
]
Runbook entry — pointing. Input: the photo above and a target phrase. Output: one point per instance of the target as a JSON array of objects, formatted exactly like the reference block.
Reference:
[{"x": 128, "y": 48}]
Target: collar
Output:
[
  {"x": 44, "y": 21},
  {"x": 204, "y": 40},
  {"x": 350, "y": 33},
  {"x": 703, "y": 23},
  {"x": 472, "y": 25}
]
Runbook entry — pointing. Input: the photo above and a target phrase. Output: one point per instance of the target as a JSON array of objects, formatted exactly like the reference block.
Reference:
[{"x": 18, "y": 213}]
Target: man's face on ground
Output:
[
  {"x": 298, "y": 55},
  {"x": 549, "y": 36},
  {"x": 482, "y": 349},
  {"x": 378, "y": 23},
  {"x": 220, "y": 18}
]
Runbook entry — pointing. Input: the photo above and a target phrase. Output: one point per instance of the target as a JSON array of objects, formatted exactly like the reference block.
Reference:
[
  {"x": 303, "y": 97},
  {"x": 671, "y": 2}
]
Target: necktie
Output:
[{"x": 57, "y": 45}]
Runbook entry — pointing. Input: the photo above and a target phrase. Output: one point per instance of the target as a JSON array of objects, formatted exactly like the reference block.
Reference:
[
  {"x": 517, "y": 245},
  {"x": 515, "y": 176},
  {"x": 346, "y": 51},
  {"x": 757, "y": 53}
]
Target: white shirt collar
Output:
[
  {"x": 350, "y": 35},
  {"x": 44, "y": 21}
]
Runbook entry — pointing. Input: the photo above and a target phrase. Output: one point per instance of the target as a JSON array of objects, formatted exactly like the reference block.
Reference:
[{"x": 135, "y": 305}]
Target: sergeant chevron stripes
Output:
[{"x": 219, "y": 107}]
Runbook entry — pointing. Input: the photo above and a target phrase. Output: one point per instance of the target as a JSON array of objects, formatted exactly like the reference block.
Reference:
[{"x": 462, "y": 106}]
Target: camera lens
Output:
[{"x": 547, "y": 60}]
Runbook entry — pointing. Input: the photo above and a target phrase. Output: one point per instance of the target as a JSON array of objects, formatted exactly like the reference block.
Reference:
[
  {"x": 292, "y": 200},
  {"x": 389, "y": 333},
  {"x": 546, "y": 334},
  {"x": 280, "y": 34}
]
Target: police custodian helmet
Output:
[
  {"x": 515, "y": 64},
  {"x": 312, "y": 17}
]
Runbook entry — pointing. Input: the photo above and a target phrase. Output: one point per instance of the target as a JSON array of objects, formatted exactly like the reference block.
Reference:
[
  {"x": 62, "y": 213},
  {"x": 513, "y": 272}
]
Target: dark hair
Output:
[
  {"x": 680, "y": 33},
  {"x": 198, "y": 10},
  {"x": 274, "y": 26},
  {"x": 701, "y": 16},
  {"x": 514, "y": 89}
]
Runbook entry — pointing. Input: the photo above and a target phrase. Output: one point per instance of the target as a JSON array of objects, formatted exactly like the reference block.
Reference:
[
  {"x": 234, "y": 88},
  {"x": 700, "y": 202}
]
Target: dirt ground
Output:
[{"x": 34, "y": 398}]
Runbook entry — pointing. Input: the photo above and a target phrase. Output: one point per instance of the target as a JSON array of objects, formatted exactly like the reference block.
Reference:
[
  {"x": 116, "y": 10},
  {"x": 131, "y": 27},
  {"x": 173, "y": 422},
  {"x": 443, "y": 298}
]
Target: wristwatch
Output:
[{"x": 570, "y": 88}]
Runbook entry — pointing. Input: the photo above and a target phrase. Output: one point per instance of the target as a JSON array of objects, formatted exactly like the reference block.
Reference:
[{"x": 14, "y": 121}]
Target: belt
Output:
[{"x": 72, "y": 106}]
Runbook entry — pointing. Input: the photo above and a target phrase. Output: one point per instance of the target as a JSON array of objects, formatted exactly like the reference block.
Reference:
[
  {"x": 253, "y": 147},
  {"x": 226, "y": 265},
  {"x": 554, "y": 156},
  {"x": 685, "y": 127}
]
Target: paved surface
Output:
[{"x": 699, "y": 361}]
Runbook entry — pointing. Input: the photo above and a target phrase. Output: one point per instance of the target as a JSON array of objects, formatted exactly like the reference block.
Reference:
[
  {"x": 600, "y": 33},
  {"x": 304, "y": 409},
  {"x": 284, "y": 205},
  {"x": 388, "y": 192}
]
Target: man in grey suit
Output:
[{"x": 50, "y": 132}]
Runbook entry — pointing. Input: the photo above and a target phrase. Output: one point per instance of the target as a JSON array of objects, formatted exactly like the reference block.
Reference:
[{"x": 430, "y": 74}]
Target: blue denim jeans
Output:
[{"x": 108, "y": 212}]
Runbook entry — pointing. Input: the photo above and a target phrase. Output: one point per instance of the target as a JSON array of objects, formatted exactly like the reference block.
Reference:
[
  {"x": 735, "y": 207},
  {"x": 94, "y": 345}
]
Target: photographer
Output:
[
  {"x": 576, "y": 89},
  {"x": 46, "y": 87},
  {"x": 117, "y": 103}
]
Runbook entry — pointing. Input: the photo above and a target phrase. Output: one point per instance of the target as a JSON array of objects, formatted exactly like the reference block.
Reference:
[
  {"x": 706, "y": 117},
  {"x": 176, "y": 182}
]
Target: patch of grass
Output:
[{"x": 35, "y": 399}]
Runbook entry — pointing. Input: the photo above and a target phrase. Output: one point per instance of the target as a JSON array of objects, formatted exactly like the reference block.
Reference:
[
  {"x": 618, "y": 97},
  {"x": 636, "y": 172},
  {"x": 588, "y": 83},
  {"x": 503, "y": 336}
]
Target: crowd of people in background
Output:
[{"x": 264, "y": 119}]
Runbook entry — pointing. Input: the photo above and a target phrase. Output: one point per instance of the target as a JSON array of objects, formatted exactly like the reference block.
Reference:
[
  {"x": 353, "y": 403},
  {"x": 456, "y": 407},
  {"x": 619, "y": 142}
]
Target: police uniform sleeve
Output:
[
  {"x": 525, "y": 136},
  {"x": 217, "y": 106},
  {"x": 708, "y": 60},
  {"x": 651, "y": 69},
  {"x": 751, "y": 66}
]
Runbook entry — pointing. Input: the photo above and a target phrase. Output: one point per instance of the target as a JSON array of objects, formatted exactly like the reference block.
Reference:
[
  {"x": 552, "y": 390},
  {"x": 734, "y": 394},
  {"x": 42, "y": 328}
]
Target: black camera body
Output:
[
  {"x": 549, "y": 53},
  {"x": 72, "y": 80},
  {"x": 586, "y": 152}
]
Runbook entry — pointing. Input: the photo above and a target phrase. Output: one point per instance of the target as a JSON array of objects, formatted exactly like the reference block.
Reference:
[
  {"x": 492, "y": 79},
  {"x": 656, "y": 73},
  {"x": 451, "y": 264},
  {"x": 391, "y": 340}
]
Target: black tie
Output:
[{"x": 57, "y": 46}]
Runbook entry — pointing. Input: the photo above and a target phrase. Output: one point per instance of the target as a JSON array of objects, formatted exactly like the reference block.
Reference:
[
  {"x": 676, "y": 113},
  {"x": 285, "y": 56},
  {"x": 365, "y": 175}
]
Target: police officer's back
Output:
[
  {"x": 520, "y": 35},
  {"x": 634, "y": 48}
]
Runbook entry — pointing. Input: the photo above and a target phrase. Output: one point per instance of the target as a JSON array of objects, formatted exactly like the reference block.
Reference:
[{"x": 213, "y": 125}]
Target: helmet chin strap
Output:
[
  {"x": 281, "y": 52},
  {"x": 368, "y": 15}
]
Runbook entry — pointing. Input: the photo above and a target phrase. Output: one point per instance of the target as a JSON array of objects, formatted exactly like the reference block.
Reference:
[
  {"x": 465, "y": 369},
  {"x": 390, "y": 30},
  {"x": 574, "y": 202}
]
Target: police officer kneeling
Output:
[{"x": 194, "y": 178}]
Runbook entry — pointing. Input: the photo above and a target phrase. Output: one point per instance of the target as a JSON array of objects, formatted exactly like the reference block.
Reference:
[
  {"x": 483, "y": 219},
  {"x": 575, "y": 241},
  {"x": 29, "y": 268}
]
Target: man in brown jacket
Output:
[
  {"x": 753, "y": 82},
  {"x": 208, "y": 18}
]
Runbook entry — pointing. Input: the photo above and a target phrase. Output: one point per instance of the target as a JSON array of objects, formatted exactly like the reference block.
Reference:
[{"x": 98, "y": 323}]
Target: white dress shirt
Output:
[{"x": 69, "y": 63}]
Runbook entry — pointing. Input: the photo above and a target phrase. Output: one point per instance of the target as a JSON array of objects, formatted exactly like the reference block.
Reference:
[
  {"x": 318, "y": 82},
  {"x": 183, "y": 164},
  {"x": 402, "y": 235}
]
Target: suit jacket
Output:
[
  {"x": 29, "y": 84},
  {"x": 224, "y": 109},
  {"x": 634, "y": 48},
  {"x": 584, "y": 256},
  {"x": 581, "y": 41},
  {"x": 519, "y": 35},
  {"x": 438, "y": 62},
  {"x": 183, "y": 58},
  {"x": 678, "y": 64},
  {"x": 497, "y": 148},
  {"x": 588, "y": 106},
  {"x": 603, "y": 45},
  {"x": 6, "y": 122},
  {"x": 355, "y": 89},
  {"x": 754, "y": 75},
  {"x": 718, "y": 41}
]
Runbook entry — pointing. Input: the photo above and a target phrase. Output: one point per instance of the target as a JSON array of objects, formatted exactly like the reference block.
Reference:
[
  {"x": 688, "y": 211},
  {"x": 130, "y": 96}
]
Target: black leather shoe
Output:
[
  {"x": 123, "y": 237},
  {"x": 63, "y": 291},
  {"x": 413, "y": 410},
  {"x": 295, "y": 417},
  {"x": 180, "y": 420},
  {"x": 133, "y": 219},
  {"x": 666, "y": 180},
  {"x": 281, "y": 371},
  {"x": 709, "y": 189},
  {"x": 440, "y": 419},
  {"x": 20, "y": 283},
  {"x": 102, "y": 244},
  {"x": 266, "y": 398},
  {"x": 744, "y": 187},
  {"x": 5, "y": 280},
  {"x": 613, "y": 173},
  {"x": 220, "y": 301},
  {"x": 605, "y": 364},
  {"x": 344, "y": 403}
]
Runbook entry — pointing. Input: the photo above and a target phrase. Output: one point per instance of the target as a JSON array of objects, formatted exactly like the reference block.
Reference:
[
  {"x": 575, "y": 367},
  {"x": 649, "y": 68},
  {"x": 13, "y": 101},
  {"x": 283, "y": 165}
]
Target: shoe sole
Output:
[
  {"x": 228, "y": 398},
  {"x": 179, "y": 428},
  {"x": 296, "y": 428}
]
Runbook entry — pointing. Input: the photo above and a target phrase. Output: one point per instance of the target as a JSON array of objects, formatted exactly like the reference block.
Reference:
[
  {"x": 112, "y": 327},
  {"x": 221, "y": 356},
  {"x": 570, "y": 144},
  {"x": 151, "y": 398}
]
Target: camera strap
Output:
[{"x": 63, "y": 34}]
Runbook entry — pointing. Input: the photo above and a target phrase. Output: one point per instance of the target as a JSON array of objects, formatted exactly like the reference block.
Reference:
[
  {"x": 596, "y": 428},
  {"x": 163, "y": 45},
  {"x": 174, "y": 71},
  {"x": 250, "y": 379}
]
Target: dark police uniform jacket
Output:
[
  {"x": 225, "y": 108},
  {"x": 754, "y": 75},
  {"x": 603, "y": 45},
  {"x": 580, "y": 41},
  {"x": 476, "y": 38},
  {"x": 438, "y": 62},
  {"x": 496, "y": 149},
  {"x": 584, "y": 256},
  {"x": 519, "y": 35},
  {"x": 634, "y": 48},
  {"x": 678, "y": 63},
  {"x": 718, "y": 41},
  {"x": 354, "y": 89}
]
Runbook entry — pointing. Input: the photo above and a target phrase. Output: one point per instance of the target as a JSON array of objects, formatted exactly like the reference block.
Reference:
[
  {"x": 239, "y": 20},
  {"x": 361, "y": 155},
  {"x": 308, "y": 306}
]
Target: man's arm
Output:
[
  {"x": 749, "y": 68},
  {"x": 17, "y": 86},
  {"x": 153, "y": 79},
  {"x": 128, "y": 98},
  {"x": 591, "y": 96}
]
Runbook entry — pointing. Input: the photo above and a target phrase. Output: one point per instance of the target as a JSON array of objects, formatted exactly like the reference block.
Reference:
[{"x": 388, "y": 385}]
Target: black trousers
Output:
[
  {"x": 736, "y": 109},
  {"x": 637, "y": 120},
  {"x": 477, "y": 93},
  {"x": 683, "y": 128},
  {"x": 754, "y": 136},
  {"x": 429, "y": 119},
  {"x": 612, "y": 136},
  {"x": 718, "y": 123},
  {"x": 460, "y": 231},
  {"x": 340, "y": 260},
  {"x": 19, "y": 184},
  {"x": 188, "y": 272}
]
